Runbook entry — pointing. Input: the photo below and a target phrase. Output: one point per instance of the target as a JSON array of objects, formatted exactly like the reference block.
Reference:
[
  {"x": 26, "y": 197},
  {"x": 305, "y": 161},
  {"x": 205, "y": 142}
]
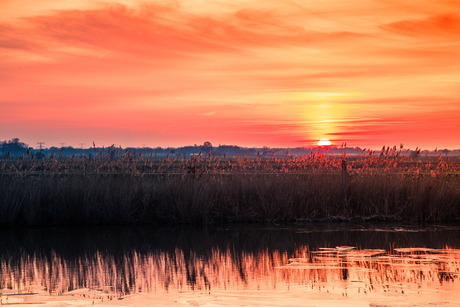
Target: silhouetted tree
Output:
[
  {"x": 445, "y": 151},
  {"x": 207, "y": 147},
  {"x": 14, "y": 146}
]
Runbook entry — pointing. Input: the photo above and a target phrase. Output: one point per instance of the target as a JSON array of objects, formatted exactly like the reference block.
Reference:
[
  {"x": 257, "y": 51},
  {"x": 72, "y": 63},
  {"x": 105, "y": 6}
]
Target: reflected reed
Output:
[{"x": 119, "y": 262}]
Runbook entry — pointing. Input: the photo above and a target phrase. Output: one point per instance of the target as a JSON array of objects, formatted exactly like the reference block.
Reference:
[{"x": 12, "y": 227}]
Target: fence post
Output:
[{"x": 344, "y": 180}]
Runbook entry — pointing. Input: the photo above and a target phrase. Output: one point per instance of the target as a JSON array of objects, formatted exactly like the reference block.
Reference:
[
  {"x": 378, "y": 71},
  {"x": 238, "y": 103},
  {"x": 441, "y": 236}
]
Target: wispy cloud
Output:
[
  {"x": 440, "y": 27},
  {"x": 145, "y": 65}
]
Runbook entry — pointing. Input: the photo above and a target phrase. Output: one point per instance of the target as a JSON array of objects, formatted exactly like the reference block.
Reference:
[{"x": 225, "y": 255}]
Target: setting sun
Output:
[
  {"x": 280, "y": 74},
  {"x": 324, "y": 142}
]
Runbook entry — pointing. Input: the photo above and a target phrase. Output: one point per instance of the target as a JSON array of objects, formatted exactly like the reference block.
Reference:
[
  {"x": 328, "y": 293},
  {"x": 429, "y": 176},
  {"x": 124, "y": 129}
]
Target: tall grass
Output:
[{"x": 119, "y": 187}]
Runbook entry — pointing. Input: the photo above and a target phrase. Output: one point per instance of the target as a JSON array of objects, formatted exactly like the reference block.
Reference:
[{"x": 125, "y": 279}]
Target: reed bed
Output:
[{"x": 120, "y": 187}]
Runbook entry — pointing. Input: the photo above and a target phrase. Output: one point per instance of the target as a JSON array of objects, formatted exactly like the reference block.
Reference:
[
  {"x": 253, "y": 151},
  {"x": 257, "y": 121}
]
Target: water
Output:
[{"x": 238, "y": 265}]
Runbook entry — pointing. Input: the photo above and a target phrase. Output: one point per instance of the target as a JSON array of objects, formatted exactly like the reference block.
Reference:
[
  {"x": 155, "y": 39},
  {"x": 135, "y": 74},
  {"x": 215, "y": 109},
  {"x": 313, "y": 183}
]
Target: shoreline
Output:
[
  {"x": 94, "y": 199},
  {"x": 204, "y": 189}
]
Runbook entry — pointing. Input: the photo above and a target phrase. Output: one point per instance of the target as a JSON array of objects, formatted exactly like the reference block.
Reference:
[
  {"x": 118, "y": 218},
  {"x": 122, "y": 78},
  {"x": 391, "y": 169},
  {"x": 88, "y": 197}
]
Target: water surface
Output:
[{"x": 332, "y": 264}]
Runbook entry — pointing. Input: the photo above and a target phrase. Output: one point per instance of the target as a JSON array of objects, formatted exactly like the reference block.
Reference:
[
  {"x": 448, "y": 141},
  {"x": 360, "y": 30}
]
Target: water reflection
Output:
[{"x": 116, "y": 262}]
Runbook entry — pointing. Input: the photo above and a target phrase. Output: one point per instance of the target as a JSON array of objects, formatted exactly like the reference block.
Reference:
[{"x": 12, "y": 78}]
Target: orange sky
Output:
[{"x": 248, "y": 73}]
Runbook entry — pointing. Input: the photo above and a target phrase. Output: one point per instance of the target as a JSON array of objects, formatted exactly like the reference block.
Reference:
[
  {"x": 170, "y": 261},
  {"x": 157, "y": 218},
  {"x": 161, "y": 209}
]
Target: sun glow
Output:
[
  {"x": 324, "y": 142},
  {"x": 260, "y": 68}
]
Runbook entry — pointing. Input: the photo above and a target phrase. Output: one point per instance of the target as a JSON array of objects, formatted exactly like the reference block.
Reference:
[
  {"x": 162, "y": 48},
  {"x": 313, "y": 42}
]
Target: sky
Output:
[{"x": 236, "y": 72}]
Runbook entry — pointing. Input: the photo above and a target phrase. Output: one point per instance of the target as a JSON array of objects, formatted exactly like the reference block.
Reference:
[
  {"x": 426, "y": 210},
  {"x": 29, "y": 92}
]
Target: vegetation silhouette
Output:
[{"x": 117, "y": 186}]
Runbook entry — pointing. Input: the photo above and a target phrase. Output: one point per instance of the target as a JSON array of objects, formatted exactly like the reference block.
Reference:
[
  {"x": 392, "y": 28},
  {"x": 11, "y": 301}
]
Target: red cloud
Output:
[
  {"x": 159, "y": 29},
  {"x": 440, "y": 26}
]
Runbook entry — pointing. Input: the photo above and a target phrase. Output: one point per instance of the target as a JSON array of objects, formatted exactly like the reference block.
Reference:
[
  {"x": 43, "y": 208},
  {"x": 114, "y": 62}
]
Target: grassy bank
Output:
[
  {"x": 124, "y": 199},
  {"x": 133, "y": 189}
]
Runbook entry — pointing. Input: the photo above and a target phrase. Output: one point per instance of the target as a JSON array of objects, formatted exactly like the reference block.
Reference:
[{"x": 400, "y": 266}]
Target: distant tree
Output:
[
  {"x": 206, "y": 147},
  {"x": 15, "y": 143},
  {"x": 14, "y": 146}
]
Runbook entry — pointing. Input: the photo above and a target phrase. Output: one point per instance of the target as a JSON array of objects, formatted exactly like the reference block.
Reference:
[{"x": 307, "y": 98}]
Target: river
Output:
[{"x": 306, "y": 264}]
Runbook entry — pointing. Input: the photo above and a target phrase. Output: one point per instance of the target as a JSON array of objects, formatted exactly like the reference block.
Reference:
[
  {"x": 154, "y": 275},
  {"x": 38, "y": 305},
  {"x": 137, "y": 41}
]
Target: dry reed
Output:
[{"x": 120, "y": 187}]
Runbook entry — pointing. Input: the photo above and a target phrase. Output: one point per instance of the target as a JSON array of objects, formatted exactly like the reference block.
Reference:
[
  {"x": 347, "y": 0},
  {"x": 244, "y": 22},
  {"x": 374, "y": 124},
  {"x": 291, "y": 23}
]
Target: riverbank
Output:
[{"x": 118, "y": 199}]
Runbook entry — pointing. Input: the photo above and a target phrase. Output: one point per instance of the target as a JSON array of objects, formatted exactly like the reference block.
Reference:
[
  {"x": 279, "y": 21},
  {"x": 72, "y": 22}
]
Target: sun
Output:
[{"x": 324, "y": 142}]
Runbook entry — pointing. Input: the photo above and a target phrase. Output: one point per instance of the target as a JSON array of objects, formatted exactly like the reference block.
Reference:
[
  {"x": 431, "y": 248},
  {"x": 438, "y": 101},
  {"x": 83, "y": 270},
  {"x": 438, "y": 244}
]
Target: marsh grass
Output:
[{"x": 119, "y": 187}]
